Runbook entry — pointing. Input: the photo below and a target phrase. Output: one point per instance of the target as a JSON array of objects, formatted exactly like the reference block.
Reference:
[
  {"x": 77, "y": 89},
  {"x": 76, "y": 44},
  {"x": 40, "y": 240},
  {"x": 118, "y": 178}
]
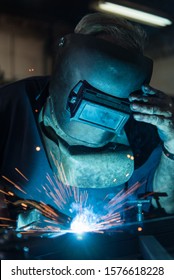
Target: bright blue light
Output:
[
  {"x": 80, "y": 227},
  {"x": 86, "y": 221}
]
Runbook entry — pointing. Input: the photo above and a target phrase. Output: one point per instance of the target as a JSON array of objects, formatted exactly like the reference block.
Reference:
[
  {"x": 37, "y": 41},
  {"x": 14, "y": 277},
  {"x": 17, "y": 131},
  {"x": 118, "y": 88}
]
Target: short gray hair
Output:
[{"x": 121, "y": 31}]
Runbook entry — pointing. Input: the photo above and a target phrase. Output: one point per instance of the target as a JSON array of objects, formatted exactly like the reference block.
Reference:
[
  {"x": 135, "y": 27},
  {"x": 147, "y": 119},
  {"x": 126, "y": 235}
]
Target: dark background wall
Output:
[{"x": 29, "y": 30}]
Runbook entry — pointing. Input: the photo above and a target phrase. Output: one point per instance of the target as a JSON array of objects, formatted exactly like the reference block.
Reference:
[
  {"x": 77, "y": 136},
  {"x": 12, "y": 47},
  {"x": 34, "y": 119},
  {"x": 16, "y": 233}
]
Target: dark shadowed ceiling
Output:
[{"x": 69, "y": 10}]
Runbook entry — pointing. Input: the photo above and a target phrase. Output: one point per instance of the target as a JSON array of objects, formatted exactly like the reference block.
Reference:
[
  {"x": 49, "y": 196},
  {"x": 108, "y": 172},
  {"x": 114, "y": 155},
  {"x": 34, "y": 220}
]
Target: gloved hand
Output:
[{"x": 157, "y": 108}]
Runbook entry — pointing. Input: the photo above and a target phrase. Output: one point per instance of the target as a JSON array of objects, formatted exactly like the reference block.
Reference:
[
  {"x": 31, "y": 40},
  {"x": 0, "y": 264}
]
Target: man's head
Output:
[
  {"x": 117, "y": 30},
  {"x": 106, "y": 53}
]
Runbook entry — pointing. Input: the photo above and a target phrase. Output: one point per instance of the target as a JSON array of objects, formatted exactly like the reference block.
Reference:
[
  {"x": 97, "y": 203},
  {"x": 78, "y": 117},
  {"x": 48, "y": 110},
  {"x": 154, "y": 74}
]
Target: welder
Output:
[{"x": 96, "y": 118}]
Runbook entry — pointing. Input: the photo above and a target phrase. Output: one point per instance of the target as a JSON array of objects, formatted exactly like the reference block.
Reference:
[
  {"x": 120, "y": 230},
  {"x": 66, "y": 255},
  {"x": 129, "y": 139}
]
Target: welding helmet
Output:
[
  {"x": 88, "y": 104},
  {"x": 93, "y": 78}
]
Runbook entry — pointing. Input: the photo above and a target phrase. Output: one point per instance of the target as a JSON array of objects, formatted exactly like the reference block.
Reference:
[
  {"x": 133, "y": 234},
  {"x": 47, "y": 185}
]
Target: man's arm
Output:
[{"x": 157, "y": 108}]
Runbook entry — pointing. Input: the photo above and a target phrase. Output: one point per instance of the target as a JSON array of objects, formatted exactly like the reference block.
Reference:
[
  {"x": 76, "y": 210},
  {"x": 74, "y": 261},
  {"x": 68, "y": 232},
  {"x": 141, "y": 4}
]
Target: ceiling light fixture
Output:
[{"x": 133, "y": 14}]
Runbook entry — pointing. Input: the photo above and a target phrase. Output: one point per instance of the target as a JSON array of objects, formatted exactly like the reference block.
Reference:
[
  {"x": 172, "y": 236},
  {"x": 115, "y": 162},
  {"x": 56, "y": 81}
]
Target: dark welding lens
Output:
[
  {"x": 91, "y": 106},
  {"x": 101, "y": 116}
]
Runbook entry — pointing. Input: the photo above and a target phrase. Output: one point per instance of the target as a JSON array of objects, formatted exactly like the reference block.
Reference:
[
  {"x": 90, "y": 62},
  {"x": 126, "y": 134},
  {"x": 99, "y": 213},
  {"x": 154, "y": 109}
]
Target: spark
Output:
[
  {"x": 6, "y": 219},
  {"x": 7, "y": 222},
  {"x": 21, "y": 174},
  {"x": 10, "y": 193},
  {"x": 24, "y": 205},
  {"x": 139, "y": 228},
  {"x": 84, "y": 216},
  {"x": 14, "y": 184},
  {"x": 119, "y": 199},
  {"x": 4, "y": 225},
  {"x": 2, "y": 191}
]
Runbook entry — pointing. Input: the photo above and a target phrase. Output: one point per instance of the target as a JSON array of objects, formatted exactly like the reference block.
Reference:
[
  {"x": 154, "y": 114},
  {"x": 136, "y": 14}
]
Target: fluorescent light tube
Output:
[{"x": 133, "y": 14}]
